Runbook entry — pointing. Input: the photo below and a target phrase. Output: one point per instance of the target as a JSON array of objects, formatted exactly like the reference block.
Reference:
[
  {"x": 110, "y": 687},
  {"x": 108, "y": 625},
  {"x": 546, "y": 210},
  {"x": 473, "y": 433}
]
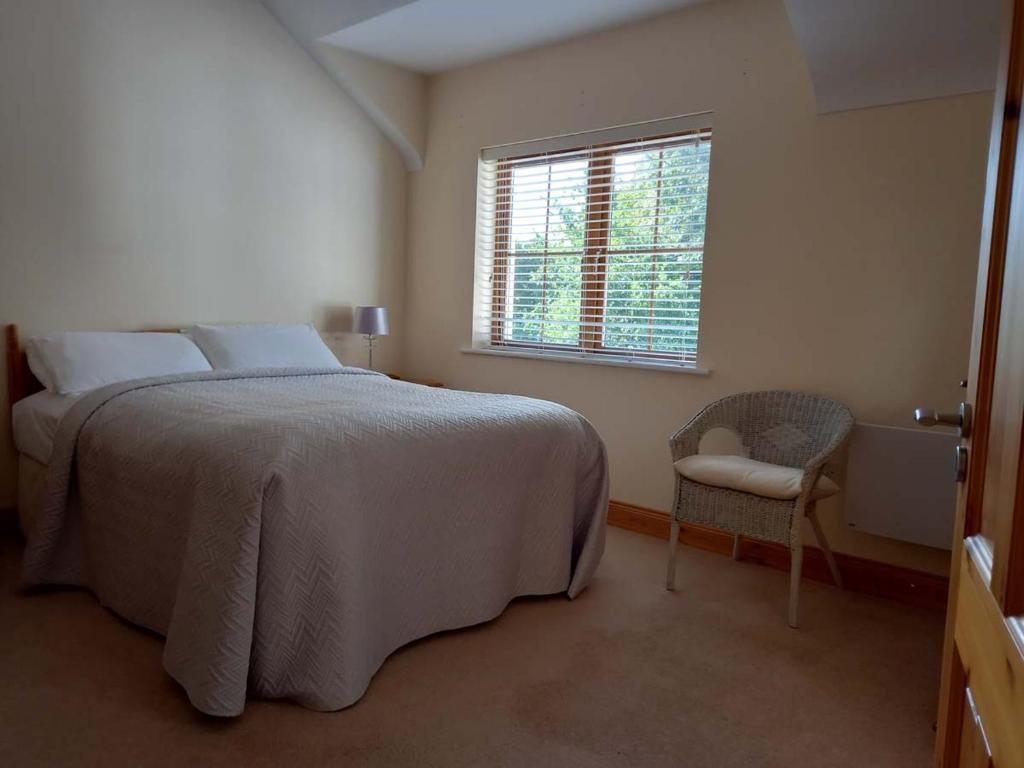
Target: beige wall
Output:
[
  {"x": 166, "y": 162},
  {"x": 841, "y": 249}
]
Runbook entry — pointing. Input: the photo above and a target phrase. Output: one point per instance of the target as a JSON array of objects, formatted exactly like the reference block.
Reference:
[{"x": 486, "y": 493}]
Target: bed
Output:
[{"x": 288, "y": 529}]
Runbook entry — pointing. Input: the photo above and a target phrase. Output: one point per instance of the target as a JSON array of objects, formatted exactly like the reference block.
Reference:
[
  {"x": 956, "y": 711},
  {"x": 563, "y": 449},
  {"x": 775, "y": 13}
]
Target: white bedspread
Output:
[
  {"x": 288, "y": 530},
  {"x": 34, "y": 421}
]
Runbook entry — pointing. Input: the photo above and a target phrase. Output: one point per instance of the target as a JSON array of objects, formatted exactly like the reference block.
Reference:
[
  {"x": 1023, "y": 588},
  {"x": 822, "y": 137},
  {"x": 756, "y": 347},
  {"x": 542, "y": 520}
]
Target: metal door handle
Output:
[
  {"x": 929, "y": 418},
  {"x": 960, "y": 463}
]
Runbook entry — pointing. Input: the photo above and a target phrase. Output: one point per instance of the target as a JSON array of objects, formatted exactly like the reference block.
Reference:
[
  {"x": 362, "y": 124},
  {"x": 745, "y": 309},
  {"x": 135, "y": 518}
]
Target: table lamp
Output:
[{"x": 371, "y": 322}]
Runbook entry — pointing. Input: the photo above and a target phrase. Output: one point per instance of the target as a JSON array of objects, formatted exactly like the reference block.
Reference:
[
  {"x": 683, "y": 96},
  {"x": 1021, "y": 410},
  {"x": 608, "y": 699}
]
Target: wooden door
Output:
[{"x": 981, "y": 706}]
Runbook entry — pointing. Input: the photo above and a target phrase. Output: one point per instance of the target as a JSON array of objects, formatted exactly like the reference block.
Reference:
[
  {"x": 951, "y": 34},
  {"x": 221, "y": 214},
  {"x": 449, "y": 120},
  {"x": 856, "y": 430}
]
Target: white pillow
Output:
[
  {"x": 263, "y": 346},
  {"x": 71, "y": 363},
  {"x": 37, "y": 365}
]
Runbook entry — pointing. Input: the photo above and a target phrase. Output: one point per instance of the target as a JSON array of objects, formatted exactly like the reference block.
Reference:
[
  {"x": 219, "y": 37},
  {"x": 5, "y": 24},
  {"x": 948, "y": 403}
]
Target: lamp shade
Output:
[{"x": 370, "y": 320}]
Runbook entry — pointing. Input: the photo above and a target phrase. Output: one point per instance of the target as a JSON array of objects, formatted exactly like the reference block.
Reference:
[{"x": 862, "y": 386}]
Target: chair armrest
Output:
[
  {"x": 686, "y": 441},
  {"x": 814, "y": 466}
]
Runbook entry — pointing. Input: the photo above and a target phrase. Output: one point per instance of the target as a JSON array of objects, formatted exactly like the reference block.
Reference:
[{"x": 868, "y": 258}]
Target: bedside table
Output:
[{"x": 422, "y": 382}]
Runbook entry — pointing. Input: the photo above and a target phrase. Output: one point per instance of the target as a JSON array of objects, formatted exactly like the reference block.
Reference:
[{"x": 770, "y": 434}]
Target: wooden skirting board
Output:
[{"x": 859, "y": 574}]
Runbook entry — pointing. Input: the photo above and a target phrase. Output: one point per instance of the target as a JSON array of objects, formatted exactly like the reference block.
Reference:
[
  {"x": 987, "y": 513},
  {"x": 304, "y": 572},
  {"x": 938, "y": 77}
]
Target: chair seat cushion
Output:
[{"x": 739, "y": 473}]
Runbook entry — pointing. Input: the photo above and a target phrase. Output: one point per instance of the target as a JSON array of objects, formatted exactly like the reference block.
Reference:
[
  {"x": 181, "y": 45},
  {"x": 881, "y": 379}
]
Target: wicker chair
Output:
[{"x": 793, "y": 430}]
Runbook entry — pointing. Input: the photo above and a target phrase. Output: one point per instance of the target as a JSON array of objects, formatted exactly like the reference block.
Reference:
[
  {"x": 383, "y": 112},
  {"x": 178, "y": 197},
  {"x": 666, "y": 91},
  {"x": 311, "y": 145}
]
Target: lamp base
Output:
[{"x": 371, "y": 342}]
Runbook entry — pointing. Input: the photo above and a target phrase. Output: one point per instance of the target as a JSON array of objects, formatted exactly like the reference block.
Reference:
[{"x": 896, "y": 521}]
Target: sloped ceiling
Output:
[
  {"x": 860, "y": 53},
  {"x": 394, "y": 98},
  {"x": 312, "y": 19},
  {"x": 379, "y": 50},
  {"x": 865, "y": 53},
  {"x": 432, "y": 36}
]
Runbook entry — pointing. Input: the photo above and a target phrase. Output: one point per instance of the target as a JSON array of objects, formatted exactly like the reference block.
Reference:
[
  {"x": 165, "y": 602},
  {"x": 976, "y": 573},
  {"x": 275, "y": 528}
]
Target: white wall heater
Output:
[{"x": 900, "y": 484}]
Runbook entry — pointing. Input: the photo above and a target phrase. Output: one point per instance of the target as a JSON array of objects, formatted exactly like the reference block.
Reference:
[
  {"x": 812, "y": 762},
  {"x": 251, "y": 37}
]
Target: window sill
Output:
[{"x": 569, "y": 357}]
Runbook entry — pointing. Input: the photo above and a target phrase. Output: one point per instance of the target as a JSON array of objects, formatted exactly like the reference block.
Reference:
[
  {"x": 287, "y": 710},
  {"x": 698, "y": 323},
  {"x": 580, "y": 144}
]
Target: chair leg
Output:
[
  {"x": 673, "y": 544},
  {"x": 826, "y": 550},
  {"x": 736, "y": 546},
  {"x": 796, "y": 565}
]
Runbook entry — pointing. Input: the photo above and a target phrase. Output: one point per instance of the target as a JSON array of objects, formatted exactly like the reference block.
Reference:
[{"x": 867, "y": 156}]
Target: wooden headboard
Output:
[{"x": 21, "y": 382}]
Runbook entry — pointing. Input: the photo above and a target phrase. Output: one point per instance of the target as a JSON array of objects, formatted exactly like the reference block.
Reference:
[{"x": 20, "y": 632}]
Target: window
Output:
[{"x": 593, "y": 245}]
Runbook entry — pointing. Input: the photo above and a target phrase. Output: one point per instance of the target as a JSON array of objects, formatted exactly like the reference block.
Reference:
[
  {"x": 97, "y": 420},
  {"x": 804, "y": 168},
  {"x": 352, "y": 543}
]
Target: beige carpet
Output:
[{"x": 626, "y": 675}]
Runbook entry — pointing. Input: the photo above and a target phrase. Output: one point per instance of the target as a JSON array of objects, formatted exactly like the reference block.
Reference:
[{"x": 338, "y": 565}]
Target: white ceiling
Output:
[
  {"x": 309, "y": 19},
  {"x": 863, "y": 53},
  {"x": 431, "y": 36}
]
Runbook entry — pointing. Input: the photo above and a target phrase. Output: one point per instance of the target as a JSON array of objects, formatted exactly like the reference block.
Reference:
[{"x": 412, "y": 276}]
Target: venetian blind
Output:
[{"x": 593, "y": 244}]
